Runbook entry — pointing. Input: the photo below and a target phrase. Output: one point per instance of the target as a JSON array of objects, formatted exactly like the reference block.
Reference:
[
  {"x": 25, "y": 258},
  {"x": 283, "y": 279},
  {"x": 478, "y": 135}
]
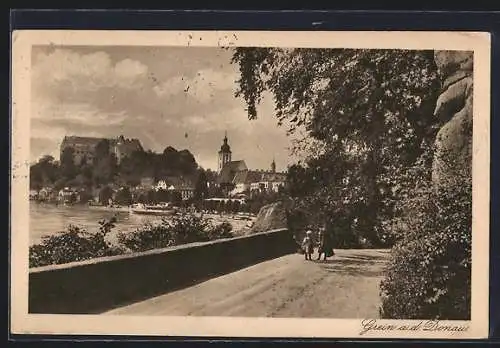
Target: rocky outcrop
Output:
[
  {"x": 454, "y": 108},
  {"x": 270, "y": 217}
]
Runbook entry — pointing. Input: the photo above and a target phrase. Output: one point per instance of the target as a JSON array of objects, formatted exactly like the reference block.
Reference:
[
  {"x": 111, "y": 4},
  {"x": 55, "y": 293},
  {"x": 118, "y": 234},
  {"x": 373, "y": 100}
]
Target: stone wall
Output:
[
  {"x": 454, "y": 108},
  {"x": 98, "y": 285}
]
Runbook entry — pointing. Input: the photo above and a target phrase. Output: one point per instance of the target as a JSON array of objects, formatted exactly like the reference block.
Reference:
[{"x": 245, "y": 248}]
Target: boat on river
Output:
[
  {"x": 158, "y": 209},
  {"x": 115, "y": 208}
]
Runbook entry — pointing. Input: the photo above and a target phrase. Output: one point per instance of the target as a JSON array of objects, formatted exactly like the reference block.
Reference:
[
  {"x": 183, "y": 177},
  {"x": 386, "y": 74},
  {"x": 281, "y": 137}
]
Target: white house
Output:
[
  {"x": 176, "y": 184},
  {"x": 161, "y": 185},
  {"x": 33, "y": 194}
]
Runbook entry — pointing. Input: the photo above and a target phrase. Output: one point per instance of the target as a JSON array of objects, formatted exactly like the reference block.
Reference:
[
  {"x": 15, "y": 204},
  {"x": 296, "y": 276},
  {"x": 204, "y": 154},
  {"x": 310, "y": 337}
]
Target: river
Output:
[{"x": 47, "y": 219}]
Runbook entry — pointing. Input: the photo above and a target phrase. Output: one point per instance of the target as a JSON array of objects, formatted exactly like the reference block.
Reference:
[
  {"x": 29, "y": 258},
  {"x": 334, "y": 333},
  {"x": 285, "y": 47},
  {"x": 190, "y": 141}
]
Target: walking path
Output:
[{"x": 346, "y": 286}]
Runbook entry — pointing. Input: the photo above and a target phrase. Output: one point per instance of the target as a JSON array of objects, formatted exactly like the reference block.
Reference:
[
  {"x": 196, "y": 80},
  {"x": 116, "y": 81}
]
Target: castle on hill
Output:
[
  {"x": 85, "y": 147},
  {"x": 236, "y": 178}
]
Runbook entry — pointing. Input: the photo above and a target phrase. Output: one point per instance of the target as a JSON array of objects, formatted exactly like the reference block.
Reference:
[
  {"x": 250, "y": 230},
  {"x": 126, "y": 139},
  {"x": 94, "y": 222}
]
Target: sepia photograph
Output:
[{"x": 250, "y": 184}]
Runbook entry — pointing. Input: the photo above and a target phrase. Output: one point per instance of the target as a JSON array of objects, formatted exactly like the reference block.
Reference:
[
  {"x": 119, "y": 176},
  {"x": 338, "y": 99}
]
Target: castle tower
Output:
[
  {"x": 117, "y": 145},
  {"x": 224, "y": 154},
  {"x": 273, "y": 166}
]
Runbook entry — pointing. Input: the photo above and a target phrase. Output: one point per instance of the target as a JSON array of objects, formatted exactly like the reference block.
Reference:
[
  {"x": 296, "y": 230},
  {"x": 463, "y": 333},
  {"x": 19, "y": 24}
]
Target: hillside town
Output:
[{"x": 233, "y": 180}]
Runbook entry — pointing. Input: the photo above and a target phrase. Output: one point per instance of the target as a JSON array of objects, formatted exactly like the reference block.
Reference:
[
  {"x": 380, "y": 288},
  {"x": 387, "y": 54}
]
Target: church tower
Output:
[
  {"x": 224, "y": 154},
  {"x": 273, "y": 166}
]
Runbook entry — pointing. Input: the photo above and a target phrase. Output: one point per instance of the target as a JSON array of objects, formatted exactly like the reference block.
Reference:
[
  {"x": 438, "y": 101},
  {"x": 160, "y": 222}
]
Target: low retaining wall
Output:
[{"x": 98, "y": 285}]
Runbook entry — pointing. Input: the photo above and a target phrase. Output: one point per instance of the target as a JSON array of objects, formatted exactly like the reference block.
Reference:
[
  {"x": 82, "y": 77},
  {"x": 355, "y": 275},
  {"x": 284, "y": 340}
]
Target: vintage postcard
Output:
[{"x": 250, "y": 184}]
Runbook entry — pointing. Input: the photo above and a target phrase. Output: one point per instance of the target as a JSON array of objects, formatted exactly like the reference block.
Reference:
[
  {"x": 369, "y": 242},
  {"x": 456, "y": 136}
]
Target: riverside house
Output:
[
  {"x": 178, "y": 184},
  {"x": 47, "y": 194},
  {"x": 33, "y": 195},
  {"x": 68, "y": 195},
  {"x": 187, "y": 192},
  {"x": 254, "y": 181}
]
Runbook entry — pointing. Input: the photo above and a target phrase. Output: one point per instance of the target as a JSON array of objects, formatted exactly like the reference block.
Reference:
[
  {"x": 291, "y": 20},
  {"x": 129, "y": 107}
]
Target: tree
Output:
[
  {"x": 187, "y": 162},
  {"x": 44, "y": 173},
  {"x": 176, "y": 197},
  {"x": 228, "y": 206},
  {"x": 85, "y": 196},
  {"x": 211, "y": 176},
  {"x": 105, "y": 194},
  {"x": 170, "y": 155},
  {"x": 163, "y": 196},
  {"x": 80, "y": 181},
  {"x": 151, "y": 196},
  {"x": 102, "y": 150},
  {"x": 236, "y": 207},
  {"x": 105, "y": 170},
  {"x": 132, "y": 168},
  {"x": 86, "y": 172},
  {"x": 68, "y": 168},
  {"x": 142, "y": 197},
  {"x": 123, "y": 196},
  {"x": 366, "y": 115},
  {"x": 36, "y": 179},
  {"x": 201, "y": 186}
]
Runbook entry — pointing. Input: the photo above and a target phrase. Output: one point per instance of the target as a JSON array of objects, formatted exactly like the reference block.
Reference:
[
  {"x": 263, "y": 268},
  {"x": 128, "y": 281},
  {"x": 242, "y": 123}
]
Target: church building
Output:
[{"x": 235, "y": 178}]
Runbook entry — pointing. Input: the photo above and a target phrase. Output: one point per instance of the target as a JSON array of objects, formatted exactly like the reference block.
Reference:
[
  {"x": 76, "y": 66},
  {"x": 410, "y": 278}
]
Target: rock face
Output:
[
  {"x": 270, "y": 217},
  {"x": 454, "y": 108}
]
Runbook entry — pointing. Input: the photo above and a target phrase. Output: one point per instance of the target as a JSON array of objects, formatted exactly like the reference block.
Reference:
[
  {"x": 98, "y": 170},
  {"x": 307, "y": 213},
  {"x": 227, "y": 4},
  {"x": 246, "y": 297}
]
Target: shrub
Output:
[
  {"x": 429, "y": 274},
  {"x": 220, "y": 231},
  {"x": 181, "y": 229},
  {"x": 147, "y": 237},
  {"x": 74, "y": 244}
]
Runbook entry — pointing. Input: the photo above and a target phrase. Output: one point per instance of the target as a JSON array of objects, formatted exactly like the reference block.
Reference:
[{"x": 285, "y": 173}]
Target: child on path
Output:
[{"x": 308, "y": 245}]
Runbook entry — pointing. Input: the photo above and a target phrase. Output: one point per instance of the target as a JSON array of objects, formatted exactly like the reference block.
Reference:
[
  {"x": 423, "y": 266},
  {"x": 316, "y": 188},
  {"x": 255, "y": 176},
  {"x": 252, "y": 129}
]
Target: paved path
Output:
[{"x": 347, "y": 286}]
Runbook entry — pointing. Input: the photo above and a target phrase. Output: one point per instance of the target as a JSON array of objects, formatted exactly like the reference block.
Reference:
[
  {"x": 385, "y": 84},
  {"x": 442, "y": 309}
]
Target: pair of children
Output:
[{"x": 325, "y": 245}]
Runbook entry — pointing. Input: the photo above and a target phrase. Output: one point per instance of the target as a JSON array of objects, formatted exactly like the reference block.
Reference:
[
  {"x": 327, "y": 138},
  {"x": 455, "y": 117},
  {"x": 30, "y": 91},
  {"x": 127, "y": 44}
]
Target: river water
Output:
[{"x": 47, "y": 219}]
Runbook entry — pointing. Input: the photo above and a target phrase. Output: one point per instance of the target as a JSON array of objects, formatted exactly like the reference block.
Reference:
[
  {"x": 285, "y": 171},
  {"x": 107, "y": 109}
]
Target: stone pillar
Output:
[{"x": 454, "y": 109}]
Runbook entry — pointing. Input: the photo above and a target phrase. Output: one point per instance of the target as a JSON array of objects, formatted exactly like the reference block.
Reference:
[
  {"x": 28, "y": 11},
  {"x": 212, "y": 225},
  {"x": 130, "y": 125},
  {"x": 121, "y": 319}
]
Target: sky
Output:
[{"x": 164, "y": 96}]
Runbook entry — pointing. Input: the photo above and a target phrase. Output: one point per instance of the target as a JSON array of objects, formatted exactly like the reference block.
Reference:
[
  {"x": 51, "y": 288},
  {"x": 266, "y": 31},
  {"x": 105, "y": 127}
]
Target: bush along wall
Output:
[
  {"x": 77, "y": 244},
  {"x": 429, "y": 274}
]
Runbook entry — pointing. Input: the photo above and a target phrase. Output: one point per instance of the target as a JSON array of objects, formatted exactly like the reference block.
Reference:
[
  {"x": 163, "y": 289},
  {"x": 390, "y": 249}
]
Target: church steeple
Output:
[
  {"x": 224, "y": 153},
  {"x": 273, "y": 166}
]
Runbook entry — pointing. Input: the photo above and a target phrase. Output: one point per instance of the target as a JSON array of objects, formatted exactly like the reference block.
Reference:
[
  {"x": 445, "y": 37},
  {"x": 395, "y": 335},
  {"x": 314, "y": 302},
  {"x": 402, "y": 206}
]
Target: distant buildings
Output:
[
  {"x": 147, "y": 183},
  {"x": 235, "y": 178},
  {"x": 85, "y": 147},
  {"x": 176, "y": 184},
  {"x": 47, "y": 194}
]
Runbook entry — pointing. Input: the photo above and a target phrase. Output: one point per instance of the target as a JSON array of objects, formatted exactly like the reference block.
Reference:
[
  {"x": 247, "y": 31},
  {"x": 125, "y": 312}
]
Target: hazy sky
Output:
[{"x": 157, "y": 95}]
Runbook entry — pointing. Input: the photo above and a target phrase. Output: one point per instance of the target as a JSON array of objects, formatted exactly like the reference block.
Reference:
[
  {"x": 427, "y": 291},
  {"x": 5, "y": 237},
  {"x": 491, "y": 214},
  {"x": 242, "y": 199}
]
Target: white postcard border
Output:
[{"x": 24, "y": 323}]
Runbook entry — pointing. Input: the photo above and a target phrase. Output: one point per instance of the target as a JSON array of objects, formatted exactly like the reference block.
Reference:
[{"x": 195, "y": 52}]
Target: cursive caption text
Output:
[{"x": 372, "y": 325}]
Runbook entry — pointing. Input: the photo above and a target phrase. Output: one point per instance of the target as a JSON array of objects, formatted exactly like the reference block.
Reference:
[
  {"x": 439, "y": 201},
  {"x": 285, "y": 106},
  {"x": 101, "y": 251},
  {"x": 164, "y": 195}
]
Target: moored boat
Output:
[{"x": 157, "y": 209}]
